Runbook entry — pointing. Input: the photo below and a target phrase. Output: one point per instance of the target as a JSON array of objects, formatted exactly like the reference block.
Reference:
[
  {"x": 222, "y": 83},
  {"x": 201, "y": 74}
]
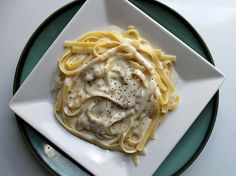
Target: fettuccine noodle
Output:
[{"x": 113, "y": 89}]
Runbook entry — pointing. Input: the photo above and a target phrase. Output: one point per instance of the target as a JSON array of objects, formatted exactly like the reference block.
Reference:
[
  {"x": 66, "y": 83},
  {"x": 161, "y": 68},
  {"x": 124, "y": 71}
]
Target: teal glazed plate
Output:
[{"x": 56, "y": 161}]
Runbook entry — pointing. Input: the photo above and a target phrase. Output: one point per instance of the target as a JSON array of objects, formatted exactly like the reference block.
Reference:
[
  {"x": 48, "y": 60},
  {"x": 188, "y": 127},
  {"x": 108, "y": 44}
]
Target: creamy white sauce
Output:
[{"x": 126, "y": 93}]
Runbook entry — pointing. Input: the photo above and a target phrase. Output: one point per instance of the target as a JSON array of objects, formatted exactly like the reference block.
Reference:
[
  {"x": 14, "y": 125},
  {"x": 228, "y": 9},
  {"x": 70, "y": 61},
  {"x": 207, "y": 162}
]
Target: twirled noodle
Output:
[{"x": 113, "y": 89}]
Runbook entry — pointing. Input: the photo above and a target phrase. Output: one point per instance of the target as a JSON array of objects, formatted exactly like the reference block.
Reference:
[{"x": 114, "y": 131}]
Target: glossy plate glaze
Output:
[{"x": 46, "y": 34}]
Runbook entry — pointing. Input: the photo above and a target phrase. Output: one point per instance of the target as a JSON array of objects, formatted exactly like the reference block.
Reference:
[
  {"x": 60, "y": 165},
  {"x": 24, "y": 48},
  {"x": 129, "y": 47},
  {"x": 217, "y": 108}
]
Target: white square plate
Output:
[{"x": 197, "y": 83}]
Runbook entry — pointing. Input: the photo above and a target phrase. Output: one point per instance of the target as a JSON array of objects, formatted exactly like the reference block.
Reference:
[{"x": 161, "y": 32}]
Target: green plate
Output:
[{"x": 57, "y": 162}]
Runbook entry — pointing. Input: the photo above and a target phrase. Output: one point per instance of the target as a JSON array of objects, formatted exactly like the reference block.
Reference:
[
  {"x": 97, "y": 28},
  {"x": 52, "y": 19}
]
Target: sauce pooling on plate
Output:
[{"x": 113, "y": 89}]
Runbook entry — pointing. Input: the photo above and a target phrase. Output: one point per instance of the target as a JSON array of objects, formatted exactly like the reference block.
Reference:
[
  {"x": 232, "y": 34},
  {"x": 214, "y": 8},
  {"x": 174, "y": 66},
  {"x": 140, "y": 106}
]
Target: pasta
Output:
[{"x": 113, "y": 89}]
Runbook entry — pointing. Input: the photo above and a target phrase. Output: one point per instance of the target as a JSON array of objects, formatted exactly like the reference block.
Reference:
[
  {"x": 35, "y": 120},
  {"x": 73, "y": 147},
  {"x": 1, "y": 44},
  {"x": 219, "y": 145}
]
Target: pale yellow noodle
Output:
[{"x": 146, "y": 62}]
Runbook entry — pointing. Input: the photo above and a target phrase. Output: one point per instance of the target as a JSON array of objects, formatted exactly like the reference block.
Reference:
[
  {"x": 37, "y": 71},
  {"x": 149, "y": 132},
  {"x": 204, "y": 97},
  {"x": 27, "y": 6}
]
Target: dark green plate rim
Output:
[{"x": 36, "y": 33}]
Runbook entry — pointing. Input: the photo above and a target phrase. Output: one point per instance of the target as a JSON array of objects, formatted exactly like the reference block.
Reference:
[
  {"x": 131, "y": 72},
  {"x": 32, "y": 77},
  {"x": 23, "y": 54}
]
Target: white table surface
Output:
[{"x": 215, "y": 20}]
